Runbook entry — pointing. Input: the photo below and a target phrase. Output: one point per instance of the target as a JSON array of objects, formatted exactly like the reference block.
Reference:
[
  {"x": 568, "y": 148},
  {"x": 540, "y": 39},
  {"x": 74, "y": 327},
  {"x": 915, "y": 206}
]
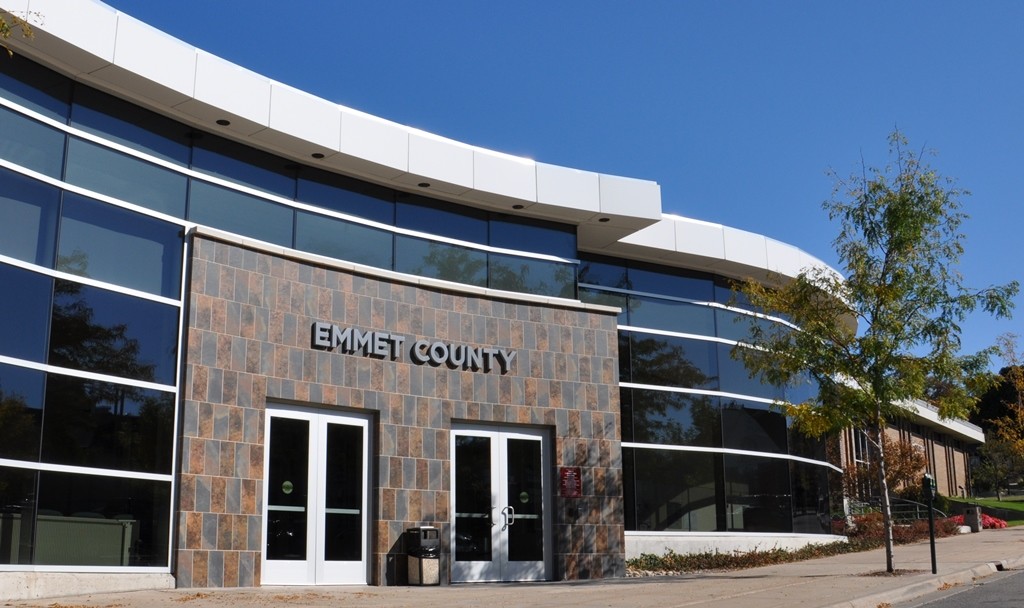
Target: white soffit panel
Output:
[
  {"x": 228, "y": 89},
  {"x": 304, "y": 117},
  {"x": 437, "y": 159},
  {"x": 699, "y": 238},
  {"x": 569, "y": 188},
  {"x": 745, "y": 248},
  {"x": 783, "y": 259},
  {"x": 384, "y": 145},
  {"x": 89, "y": 26},
  {"x": 144, "y": 55},
  {"x": 660, "y": 236},
  {"x": 630, "y": 197},
  {"x": 504, "y": 175}
]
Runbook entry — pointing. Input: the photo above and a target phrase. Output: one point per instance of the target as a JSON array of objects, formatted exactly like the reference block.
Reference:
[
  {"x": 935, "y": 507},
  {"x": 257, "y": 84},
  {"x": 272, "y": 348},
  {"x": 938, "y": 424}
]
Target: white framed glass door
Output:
[
  {"x": 500, "y": 504},
  {"x": 315, "y": 499}
]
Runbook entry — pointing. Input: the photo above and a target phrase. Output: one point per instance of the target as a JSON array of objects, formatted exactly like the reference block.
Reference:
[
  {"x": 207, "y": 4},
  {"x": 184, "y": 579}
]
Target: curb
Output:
[{"x": 935, "y": 583}]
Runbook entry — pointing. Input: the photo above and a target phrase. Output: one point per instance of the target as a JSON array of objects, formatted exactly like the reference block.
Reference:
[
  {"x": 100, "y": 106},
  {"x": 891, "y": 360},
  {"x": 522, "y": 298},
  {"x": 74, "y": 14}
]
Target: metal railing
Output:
[{"x": 903, "y": 510}]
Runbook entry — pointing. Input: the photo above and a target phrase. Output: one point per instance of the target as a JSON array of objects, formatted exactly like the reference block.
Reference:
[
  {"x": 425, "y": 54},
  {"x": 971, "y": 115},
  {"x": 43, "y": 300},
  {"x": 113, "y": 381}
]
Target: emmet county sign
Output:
[{"x": 384, "y": 345}]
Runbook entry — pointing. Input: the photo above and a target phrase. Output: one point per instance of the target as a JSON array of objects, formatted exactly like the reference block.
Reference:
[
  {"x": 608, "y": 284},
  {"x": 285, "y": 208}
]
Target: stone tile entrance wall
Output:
[{"x": 248, "y": 341}]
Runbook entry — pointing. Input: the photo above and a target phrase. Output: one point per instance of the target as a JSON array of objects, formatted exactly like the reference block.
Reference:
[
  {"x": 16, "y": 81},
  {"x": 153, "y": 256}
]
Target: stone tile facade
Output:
[{"x": 248, "y": 341}]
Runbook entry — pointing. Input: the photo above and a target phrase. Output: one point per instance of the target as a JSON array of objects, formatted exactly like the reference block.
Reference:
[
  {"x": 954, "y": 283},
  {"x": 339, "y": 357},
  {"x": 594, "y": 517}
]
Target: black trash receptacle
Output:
[{"x": 423, "y": 547}]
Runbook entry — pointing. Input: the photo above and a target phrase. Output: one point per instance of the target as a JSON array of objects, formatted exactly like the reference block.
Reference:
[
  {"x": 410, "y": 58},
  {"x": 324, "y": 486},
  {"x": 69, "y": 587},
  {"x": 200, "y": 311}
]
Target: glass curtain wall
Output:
[{"x": 703, "y": 448}]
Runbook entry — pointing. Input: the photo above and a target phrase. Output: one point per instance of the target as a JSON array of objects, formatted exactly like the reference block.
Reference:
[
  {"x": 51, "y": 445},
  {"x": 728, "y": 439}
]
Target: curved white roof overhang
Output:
[{"x": 620, "y": 216}]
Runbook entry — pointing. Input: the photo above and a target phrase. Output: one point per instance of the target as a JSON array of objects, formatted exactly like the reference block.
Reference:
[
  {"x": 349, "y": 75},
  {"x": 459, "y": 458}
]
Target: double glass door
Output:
[
  {"x": 315, "y": 524},
  {"x": 500, "y": 506}
]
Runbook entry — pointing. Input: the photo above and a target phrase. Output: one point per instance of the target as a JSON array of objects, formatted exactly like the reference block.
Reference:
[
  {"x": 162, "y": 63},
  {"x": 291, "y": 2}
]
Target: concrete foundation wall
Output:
[
  {"x": 37, "y": 585},
  {"x": 659, "y": 544}
]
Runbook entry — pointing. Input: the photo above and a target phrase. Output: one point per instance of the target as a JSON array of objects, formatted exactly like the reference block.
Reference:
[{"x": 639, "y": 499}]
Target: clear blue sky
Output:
[{"x": 737, "y": 109}]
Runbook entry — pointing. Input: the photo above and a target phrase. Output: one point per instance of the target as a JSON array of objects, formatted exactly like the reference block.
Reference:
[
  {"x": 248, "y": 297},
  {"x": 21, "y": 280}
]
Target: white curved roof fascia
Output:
[
  {"x": 700, "y": 245},
  {"x": 926, "y": 414},
  {"x": 111, "y": 50}
]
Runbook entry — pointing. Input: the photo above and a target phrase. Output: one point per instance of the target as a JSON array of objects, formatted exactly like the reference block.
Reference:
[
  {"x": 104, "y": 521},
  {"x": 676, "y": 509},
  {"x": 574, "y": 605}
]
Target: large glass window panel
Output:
[
  {"x": 347, "y": 195},
  {"x": 92, "y": 520},
  {"x": 672, "y": 361},
  {"x": 673, "y": 490},
  {"x": 31, "y": 144},
  {"x": 736, "y": 379},
  {"x": 130, "y": 125},
  {"x": 803, "y": 389},
  {"x": 625, "y": 356},
  {"x": 441, "y": 219},
  {"x": 757, "y": 494},
  {"x": 673, "y": 418},
  {"x": 244, "y": 165},
  {"x": 604, "y": 272},
  {"x": 24, "y": 313},
  {"x": 17, "y": 515},
  {"x": 440, "y": 260},
  {"x": 102, "y": 331},
  {"x": 240, "y": 213},
  {"x": 804, "y": 445},
  {"x": 118, "y": 246},
  {"x": 35, "y": 87},
  {"x": 118, "y": 175},
  {"x": 667, "y": 282},
  {"x": 669, "y": 315},
  {"x": 525, "y": 275},
  {"x": 811, "y": 512},
  {"x": 533, "y": 236},
  {"x": 606, "y": 298},
  {"x": 749, "y": 425},
  {"x": 28, "y": 218},
  {"x": 736, "y": 326},
  {"x": 343, "y": 240},
  {"x": 21, "y": 417},
  {"x": 111, "y": 426}
]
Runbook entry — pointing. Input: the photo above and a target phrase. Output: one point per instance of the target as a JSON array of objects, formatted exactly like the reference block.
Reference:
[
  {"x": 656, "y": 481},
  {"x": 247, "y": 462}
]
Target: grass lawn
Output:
[{"x": 1014, "y": 504}]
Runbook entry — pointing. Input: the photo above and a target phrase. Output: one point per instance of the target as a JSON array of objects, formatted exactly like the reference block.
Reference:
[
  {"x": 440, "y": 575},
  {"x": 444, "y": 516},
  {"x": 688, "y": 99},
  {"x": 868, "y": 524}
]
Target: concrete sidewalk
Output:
[{"x": 852, "y": 581}]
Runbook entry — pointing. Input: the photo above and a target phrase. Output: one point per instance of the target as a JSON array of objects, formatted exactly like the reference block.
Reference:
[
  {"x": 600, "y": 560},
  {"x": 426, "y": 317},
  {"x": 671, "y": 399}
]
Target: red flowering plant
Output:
[{"x": 987, "y": 521}]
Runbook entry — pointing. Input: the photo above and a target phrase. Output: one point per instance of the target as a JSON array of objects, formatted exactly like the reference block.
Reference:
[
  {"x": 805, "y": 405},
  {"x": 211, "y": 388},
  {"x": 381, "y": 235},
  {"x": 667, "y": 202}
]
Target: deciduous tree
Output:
[
  {"x": 889, "y": 331},
  {"x": 10, "y": 23}
]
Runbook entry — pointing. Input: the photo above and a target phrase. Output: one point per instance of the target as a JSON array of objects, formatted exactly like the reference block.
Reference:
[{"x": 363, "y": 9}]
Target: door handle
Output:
[{"x": 510, "y": 517}]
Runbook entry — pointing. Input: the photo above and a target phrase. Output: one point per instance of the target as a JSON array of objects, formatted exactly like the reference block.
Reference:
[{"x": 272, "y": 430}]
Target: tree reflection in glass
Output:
[{"x": 101, "y": 331}]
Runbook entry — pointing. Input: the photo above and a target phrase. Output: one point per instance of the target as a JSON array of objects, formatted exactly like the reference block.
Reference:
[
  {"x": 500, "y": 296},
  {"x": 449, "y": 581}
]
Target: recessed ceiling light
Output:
[
  {"x": 223, "y": 122},
  {"x": 423, "y": 185},
  {"x": 604, "y": 219},
  {"x": 317, "y": 155},
  {"x": 517, "y": 206}
]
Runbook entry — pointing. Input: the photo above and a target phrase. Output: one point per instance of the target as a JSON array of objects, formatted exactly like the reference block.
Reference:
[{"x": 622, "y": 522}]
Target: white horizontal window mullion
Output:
[
  {"x": 697, "y": 391},
  {"x": 58, "y": 274},
  {"x": 718, "y": 305},
  {"x": 735, "y": 452},
  {"x": 66, "y": 371},
  {"x": 677, "y": 334},
  {"x": 78, "y": 470},
  {"x": 52, "y": 181}
]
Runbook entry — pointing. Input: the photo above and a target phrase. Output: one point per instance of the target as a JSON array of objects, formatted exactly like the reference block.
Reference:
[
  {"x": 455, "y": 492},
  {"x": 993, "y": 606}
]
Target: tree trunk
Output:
[{"x": 884, "y": 487}]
